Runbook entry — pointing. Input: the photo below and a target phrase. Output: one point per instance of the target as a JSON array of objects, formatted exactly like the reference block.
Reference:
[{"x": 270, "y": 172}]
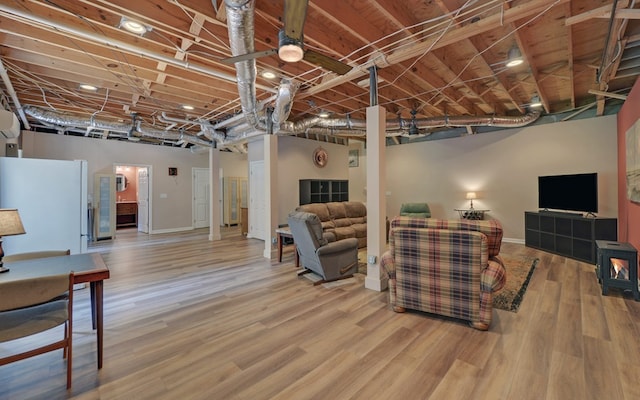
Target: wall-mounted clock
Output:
[{"x": 320, "y": 157}]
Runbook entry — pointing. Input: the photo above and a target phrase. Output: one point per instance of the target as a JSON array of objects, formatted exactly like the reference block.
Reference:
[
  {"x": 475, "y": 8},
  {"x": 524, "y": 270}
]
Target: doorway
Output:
[
  {"x": 133, "y": 205},
  {"x": 201, "y": 206}
]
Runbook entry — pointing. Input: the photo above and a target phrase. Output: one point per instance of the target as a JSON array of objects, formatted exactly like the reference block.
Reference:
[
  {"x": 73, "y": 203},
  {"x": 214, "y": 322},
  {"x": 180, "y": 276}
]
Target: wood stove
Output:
[{"x": 617, "y": 267}]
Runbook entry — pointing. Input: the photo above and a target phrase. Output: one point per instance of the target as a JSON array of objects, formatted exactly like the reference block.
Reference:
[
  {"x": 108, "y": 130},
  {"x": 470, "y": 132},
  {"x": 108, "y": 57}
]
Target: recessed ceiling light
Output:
[
  {"x": 187, "y": 107},
  {"x": 535, "y": 101},
  {"x": 86, "y": 86},
  {"x": 268, "y": 74},
  {"x": 133, "y": 26},
  {"x": 514, "y": 57}
]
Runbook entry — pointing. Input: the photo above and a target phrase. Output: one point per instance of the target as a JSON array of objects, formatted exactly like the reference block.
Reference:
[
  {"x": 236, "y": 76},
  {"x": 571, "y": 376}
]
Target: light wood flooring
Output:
[{"x": 186, "y": 318}]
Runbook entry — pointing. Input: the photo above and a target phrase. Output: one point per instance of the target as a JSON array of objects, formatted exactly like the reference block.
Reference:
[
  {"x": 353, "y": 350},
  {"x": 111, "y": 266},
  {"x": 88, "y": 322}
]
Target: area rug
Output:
[{"x": 519, "y": 271}]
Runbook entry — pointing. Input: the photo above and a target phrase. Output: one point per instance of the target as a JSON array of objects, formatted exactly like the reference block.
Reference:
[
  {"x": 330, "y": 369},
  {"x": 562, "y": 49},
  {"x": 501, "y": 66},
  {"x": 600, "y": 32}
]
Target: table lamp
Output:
[
  {"x": 10, "y": 224},
  {"x": 471, "y": 196}
]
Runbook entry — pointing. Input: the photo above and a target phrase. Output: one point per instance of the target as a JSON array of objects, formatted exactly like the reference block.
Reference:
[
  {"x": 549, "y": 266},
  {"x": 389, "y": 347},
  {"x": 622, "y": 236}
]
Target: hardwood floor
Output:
[{"x": 186, "y": 318}]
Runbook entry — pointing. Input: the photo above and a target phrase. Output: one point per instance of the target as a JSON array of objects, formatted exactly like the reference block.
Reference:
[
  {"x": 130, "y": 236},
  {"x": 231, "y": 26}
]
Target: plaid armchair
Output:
[{"x": 445, "y": 267}]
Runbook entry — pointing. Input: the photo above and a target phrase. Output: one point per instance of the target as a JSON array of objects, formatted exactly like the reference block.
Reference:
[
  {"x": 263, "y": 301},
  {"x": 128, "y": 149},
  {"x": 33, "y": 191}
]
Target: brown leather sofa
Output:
[{"x": 341, "y": 220}]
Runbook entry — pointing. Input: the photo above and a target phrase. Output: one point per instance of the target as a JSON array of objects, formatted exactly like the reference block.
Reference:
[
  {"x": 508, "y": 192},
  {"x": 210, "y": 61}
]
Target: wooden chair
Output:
[
  {"x": 35, "y": 254},
  {"x": 35, "y": 305},
  {"x": 41, "y": 254}
]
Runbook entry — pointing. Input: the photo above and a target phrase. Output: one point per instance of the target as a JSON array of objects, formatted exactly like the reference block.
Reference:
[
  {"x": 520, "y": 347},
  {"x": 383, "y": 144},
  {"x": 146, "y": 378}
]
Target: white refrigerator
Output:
[{"x": 51, "y": 197}]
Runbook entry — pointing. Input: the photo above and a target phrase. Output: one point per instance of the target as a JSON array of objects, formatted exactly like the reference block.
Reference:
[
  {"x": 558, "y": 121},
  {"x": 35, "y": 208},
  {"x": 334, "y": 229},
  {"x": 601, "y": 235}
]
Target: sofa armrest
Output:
[
  {"x": 494, "y": 276},
  {"x": 339, "y": 258},
  {"x": 388, "y": 264},
  {"x": 339, "y": 246}
]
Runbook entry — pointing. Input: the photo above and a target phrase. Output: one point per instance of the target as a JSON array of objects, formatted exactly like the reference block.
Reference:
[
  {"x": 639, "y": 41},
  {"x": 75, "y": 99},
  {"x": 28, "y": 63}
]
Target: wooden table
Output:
[
  {"x": 87, "y": 267},
  {"x": 286, "y": 233}
]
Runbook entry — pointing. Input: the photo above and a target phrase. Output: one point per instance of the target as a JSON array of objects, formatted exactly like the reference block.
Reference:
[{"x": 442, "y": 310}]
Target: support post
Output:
[{"x": 376, "y": 200}]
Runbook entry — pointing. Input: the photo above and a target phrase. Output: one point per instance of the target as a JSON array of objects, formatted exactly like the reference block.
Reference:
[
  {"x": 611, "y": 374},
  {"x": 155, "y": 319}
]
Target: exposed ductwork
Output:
[
  {"x": 241, "y": 39},
  {"x": 258, "y": 118},
  {"x": 240, "y": 15},
  {"x": 63, "y": 120}
]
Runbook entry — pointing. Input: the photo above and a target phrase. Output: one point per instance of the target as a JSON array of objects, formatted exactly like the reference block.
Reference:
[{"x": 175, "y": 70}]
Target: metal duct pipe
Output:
[
  {"x": 206, "y": 128},
  {"x": 241, "y": 38},
  {"x": 120, "y": 45},
  {"x": 282, "y": 107},
  {"x": 162, "y": 134},
  {"x": 59, "y": 119},
  {"x": 355, "y": 125}
]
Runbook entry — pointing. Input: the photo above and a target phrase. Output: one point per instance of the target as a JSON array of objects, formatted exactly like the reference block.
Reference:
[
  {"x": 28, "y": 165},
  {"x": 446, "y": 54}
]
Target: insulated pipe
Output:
[
  {"x": 241, "y": 40},
  {"x": 205, "y": 126},
  {"x": 59, "y": 119},
  {"x": 282, "y": 107},
  {"x": 123, "y": 45}
]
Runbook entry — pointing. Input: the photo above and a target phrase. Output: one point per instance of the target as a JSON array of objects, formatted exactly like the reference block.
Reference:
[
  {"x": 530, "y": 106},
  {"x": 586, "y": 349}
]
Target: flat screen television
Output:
[{"x": 577, "y": 192}]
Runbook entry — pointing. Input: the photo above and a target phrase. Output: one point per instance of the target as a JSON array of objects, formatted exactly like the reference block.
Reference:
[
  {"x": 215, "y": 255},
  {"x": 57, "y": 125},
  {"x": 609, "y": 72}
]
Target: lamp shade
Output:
[
  {"x": 10, "y": 223},
  {"x": 471, "y": 195}
]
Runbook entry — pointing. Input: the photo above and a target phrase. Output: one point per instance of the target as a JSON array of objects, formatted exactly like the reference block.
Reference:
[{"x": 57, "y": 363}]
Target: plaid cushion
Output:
[
  {"x": 491, "y": 228},
  {"x": 438, "y": 271},
  {"x": 444, "y": 271}
]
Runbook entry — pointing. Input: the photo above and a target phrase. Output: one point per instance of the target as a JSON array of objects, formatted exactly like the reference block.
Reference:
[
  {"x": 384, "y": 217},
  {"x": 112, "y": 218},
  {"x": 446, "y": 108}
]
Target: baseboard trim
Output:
[{"x": 172, "y": 230}]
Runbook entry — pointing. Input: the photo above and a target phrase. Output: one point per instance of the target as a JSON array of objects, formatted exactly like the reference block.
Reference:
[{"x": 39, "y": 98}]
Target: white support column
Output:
[
  {"x": 376, "y": 200},
  {"x": 270, "y": 194},
  {"x": 214, "y": 194}
]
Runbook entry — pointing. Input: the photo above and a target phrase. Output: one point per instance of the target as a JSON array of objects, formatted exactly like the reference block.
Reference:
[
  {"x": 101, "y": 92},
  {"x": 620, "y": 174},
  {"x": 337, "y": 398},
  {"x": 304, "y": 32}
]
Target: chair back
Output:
[
  {"x": 306, "y": 230},
  {"x": 35, "y": 254},
  {"x": 34, "y": 305},
  {"x": 29, "y": 292},
  {"x": 416, "y": 210},
  {"x": 492, "y": 228}
]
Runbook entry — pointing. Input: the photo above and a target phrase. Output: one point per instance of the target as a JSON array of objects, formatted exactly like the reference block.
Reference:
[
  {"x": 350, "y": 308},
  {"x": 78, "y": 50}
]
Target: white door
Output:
[
  {"x": 104, "y": 197},
  {"x": 201, "y": 197},
  {"x": 256, "y": 200},
  {"x": 143, "y": 199},
  {"x": 221, "y": 198},
  {"x": 51, "y": 197}
]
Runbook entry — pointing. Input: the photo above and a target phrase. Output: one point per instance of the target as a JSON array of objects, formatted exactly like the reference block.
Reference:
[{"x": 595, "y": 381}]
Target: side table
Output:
[
  {"x": 471, "y": 213},
  {"x": 617, "y": 266},
  {"x": 286, "y": 233}
]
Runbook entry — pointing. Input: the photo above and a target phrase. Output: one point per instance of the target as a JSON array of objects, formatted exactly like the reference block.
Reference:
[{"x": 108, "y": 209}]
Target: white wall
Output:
[
  {"x": 234, "y": 164},
  {"x": 358, "y": 175},
  {"x": 502, "y": 167},
  {"x": 170, "y": 213},
  {"x": 295, "y": 162}
]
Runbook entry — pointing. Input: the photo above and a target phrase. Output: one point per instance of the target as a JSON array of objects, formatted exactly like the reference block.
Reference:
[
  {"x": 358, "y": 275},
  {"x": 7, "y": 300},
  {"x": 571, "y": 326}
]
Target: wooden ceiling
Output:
[{"x": 437, "y": 57}]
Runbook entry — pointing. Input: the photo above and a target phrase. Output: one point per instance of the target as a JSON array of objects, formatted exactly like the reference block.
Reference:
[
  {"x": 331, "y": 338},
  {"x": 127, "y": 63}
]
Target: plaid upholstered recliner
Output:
[{"x": 445, "y": 267}]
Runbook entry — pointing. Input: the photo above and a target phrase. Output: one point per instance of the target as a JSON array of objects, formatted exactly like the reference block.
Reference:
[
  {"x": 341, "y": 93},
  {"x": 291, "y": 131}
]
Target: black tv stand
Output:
[{"x": 568, "y": 234}]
